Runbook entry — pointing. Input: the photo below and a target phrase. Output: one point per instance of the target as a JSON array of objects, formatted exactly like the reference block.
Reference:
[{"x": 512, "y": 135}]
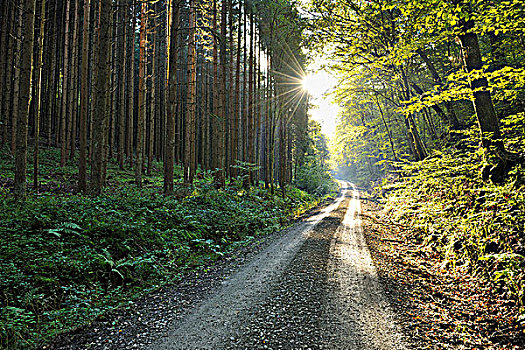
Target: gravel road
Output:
[{"x": 315, "y": 287}]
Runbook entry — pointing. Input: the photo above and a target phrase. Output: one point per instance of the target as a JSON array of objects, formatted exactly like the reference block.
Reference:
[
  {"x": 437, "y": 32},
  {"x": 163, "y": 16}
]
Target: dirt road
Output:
[{"x": 313, "y": 288}]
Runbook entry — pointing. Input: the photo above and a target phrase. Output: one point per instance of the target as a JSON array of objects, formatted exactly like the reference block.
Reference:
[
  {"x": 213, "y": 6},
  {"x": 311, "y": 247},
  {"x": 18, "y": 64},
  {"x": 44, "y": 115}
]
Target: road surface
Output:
[{"x": 313, "y": 288}]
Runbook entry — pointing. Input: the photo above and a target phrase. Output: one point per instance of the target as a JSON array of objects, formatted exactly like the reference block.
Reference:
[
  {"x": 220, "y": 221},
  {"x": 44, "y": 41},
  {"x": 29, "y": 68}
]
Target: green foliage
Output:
[
  {"x": 64, "y": 259},
  {"x": 314, "y": 178},
  {"x": 474, "y": 225},
  {"x": 313, "y": 175},
  {"x": 400, "y": 60}
]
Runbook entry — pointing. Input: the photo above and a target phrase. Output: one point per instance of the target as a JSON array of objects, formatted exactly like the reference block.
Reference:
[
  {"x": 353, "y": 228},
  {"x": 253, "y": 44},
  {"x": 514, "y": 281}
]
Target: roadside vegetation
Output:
[
  {"x": 158, "y": 135},
  {"x": 66, "y": 258},
  {"x": 432, "y": 122}
]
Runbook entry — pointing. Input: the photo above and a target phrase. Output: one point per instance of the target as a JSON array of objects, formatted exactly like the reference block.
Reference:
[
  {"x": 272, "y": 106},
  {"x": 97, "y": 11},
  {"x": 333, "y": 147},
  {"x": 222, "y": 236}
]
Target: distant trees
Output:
[{"x": 194, "y": 85}]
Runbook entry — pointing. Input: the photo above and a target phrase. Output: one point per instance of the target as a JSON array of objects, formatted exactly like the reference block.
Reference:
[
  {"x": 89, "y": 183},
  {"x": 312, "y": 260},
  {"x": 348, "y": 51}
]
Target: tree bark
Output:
[
  {"x": 64, "y": 115},
  {"x": 231, "y": 114},
  {"x": 26, "y": 65},
  {"x": 139, "y": 159},
  {"x": 250, "y": 117},
  {"x": 237, "y": 101},
  {"x": 102, "y": 76},
  {"x": 73, "y": 96},
  {"x": 5, "y": 61},
  {"x": 172, "y": 97},
  {"x": 190, "y": 147},
  {"x": 53, "y": 78},
  {"x": 491, "y": 138},
  {"x": 122, "y": 97},
  {"x": 38, "y": 93},
  {"x": 16, "y": 81},
  {"x": 216, "y": 112},
  {"x": 84, "y": 100},
  {"x": 222, "y": 107},
  {"x": 9, "y": 56},
  {"x": 152, "y": 105},
  {"x": 131, "y": 90}
]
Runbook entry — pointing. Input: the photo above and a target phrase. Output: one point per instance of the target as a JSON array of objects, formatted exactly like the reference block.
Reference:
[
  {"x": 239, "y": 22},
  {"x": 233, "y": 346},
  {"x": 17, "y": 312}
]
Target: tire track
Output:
[{"x": 313, "y": 288}]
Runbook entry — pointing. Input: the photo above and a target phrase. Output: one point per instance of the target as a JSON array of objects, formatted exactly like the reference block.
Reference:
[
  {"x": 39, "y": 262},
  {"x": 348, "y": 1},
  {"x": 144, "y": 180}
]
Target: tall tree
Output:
[
  {"x": 38, "y": 92},
  {"x": 250, "y": 118},
  {"x": 215, "y": 114},
  {"x": 102, "y": 77},
  {"x": 131, "y": 95},
  {"x": 222, "y": 98},
  {"x": 190, "y": 147},
  {"x": 236, "y": 98},
  {"x": 16, "y": 80},
  {"x": 64, "y": 114},
  {"x": 84, "y": 100},
  {"x": 123, "y": 48},
  {"x": 5, "y": 44},
  {"x": 26, "y": 66},
  {"x": 488, "y": 121},
  {"x": 73, "y": 96},
  {"x": 172, "y": 96},
  {"x": 139, "y": 160}
]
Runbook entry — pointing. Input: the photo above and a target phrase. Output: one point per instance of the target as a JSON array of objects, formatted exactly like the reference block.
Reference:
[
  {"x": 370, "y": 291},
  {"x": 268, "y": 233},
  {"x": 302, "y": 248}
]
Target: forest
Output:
[
  {"x": 142, "y": 141},
  {"x": 433, "y": 111}
]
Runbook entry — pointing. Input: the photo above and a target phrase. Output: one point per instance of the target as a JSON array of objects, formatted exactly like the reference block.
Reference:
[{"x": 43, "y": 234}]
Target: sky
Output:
[{"x": 318, "y": 83}]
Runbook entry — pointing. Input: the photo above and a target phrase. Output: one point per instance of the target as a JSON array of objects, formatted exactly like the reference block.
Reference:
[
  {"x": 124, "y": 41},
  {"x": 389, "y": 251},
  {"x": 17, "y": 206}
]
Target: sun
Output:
[{"x": 318, "y": 83}]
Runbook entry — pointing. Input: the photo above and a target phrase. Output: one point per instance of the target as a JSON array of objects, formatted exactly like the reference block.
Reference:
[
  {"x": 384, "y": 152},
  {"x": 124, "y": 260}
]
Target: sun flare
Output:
[{"x": 317, "y": 85}]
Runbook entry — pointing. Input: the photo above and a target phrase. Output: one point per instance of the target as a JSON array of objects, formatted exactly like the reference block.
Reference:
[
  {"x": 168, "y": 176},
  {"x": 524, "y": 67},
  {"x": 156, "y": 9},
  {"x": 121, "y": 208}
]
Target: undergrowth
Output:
[
  {"x": 476, "y": 226},
  {"x": 66, "y": 258}
]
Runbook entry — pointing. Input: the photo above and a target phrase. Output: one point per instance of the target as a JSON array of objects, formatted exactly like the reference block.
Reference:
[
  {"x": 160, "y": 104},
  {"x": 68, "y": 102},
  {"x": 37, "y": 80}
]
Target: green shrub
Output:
[
  {"x": 64, "y": 259},
  {"x": 475, "y": 225}
]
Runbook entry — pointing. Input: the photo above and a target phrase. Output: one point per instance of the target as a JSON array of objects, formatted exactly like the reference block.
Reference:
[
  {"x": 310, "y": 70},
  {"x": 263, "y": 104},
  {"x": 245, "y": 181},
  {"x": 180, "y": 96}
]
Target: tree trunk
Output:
[
  {"x": 131, "y": 90},
  {"x": 64, "y": 115},
  {"x": 250, "y": 117},
  {"x": 244, "y": 111},
  {"x": 189, "y": 157},
  {"x": 237, "y": 101},
  {"x": 53, "y": 80},
  {"x": 116, "y": 85},
  {"x": 16, "y": 81},
  {"x": 84, "y": 100},
  {"x": 26, "y": 65},
  {"x": 216, "y": 112},
  {"x": 152, "y": 105},
  {"x": 139, "y": 159},
  {"x": 231, "y": 114},
  {"x": 73, "y": 96},
  {"x": 38, "y": 93},
  {"x": 123, "y": 74},
  {"x": 491, "y": 138},
  {"x": 222, "y": 107},
  {"x": 5, "y": 62},
  {"x": 414, "y": 137},
  {"x": 172, "y": 97},
  {"x": 102, "y": 76}
]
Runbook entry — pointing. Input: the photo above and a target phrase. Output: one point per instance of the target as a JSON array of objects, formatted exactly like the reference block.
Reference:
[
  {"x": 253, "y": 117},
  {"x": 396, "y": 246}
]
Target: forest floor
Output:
[
  {"x": 292, "y": 291},
  {"x": 437, "y": 307},
  {"x": 312, "y": 286}
]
